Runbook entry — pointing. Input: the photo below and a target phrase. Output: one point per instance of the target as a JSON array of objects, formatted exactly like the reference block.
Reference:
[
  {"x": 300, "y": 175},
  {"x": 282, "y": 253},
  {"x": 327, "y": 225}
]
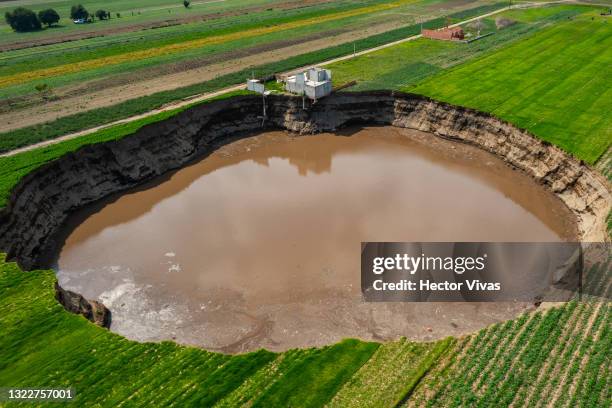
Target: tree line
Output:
[{"x": 22, "y": 19}]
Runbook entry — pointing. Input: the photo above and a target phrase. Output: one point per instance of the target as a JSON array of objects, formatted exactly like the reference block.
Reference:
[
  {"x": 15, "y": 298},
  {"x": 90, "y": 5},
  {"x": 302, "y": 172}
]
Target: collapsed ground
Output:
[
  {"x": 559, "y": 357},
  {"x": 562, "y": 353}
]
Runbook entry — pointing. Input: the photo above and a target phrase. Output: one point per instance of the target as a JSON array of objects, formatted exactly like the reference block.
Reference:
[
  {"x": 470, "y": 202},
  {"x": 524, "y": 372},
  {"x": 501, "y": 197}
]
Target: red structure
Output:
[{"x": 447, "y": 33}]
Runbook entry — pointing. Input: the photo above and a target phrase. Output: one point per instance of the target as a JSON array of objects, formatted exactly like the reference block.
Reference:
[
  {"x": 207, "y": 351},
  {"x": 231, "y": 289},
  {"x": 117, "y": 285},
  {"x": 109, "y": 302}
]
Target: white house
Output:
[{"x": 314, "y": 83}]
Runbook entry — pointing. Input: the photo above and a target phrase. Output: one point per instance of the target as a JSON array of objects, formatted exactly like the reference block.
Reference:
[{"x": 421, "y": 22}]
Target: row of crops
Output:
[
  {"x": 148, "y": 51},
  {"x": 557, "y": 357},
  {"x": 42, "y": 344},
  {"x": 79, "y": 121}
]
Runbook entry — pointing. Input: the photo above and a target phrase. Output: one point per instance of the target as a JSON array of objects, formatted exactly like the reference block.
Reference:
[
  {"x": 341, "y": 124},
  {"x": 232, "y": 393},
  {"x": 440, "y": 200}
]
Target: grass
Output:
[
  {"x": 554, "y": 84},
  {"x": 547, "y": 74},
  {"x": 133, "y": 13},
  {"x": 412, "y": 62},
  {"x": 32, "y": 134},
  {"x": 109, "y": 65},
  {"x": 42, "y": 344},
  {"x": 151, "y": 50},
  {"x": 14, "y": 168},
  {"x": 521, "y": 362},
  {"x": 86, "y": 66}
]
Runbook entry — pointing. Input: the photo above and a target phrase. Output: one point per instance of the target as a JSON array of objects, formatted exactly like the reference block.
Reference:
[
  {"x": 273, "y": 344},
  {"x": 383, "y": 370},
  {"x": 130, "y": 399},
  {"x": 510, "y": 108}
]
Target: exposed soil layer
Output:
[
  {"x": 257, "y": 245},
  {"x": 40, "y": 205}
]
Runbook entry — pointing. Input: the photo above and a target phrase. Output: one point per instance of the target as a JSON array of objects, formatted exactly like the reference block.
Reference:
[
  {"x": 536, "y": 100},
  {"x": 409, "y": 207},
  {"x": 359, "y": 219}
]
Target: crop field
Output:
[
  {"x": 555, "y": 84},
  {"x": 82, "y": 61},
  {"x": 410, "y": 63},
  {"x": 190, "y": 40},
  {"x": 548, "y": 74},
  {"x": 235, "y": 74},
  {"x": 559, "y": 357},
  {"x": 133, "y": 15}
]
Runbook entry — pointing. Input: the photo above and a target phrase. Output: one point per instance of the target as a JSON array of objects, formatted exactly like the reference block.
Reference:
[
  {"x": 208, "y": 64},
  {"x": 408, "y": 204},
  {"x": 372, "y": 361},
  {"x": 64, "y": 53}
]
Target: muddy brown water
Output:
[{"x": 258, "y": 245}]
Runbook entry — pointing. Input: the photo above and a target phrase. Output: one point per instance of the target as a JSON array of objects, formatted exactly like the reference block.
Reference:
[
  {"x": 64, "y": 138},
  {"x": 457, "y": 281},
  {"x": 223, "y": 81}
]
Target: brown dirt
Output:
[
  {"x": 288, "y": 276},
  {"x": 89, "y": 87},
  {"x": 82, "y": 35},
  {"x": 110, "y": 96}
]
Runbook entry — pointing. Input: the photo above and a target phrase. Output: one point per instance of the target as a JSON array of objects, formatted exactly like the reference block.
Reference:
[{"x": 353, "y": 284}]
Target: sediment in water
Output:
[{"x": 41, "y": 203}]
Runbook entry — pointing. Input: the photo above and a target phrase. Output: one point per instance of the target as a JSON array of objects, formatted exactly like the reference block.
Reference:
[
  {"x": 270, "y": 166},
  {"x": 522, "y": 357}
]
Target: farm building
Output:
[
  {"x": 314, "y": 83},
  {"x": 446, "y": 33},
  {"x": 255, "y": 85}
]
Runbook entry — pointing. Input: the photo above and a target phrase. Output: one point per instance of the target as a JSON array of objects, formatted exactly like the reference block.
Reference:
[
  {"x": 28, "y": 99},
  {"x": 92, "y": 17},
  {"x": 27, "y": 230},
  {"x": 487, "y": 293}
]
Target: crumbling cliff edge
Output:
[{"x": 41, "y": 203}]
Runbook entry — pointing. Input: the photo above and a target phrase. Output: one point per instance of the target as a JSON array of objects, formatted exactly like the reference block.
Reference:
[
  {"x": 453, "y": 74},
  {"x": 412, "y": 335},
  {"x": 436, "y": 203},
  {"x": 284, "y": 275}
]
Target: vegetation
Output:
[
  {"x": 103, "y": 14},
  {"x": 565, "y": 97},
  {"x": 44, "y": 344},
  {"x": 541, "y": 359},
  {"x": 22, "y": 20},
  {"x": 48, "y": 17},
  {"x": 546, "y": 73},
  {"x": 29, "y": 135},
  {"x": 78, "y": 12},
  {"x": 557, "y": 357}
]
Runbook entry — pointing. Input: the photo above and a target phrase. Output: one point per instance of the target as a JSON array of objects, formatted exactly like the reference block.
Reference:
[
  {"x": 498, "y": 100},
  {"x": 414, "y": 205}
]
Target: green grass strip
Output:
[
  {"x": 14, "y": 168},
  {"x": 42, "y": 345},
  {"x": 84, "y": 120}
]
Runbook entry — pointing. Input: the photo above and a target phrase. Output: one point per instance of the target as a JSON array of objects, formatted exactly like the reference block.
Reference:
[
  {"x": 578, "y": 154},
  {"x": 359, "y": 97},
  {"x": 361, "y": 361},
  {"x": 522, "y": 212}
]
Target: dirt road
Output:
[{"x": 111, "y": 96}]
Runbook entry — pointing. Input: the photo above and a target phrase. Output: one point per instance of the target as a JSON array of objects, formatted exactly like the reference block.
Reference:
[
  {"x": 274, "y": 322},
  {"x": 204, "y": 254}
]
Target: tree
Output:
[
  {"x": 102, "y": 14},
  {"x": 118, "y": 15},
  {"x": 78, "y": 12},
  {"x": 48, "y": 17},
  {"x": 186, "y": 3},
  {"x": 22, "y": 20}
]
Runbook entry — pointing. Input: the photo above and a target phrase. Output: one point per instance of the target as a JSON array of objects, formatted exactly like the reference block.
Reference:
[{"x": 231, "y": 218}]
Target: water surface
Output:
[{"x": 258, "y": 245}]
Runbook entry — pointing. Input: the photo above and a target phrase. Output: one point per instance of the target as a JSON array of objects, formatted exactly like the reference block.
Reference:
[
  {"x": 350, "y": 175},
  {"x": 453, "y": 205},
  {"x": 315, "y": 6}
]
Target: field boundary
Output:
[{"x": 207, "y": 95}]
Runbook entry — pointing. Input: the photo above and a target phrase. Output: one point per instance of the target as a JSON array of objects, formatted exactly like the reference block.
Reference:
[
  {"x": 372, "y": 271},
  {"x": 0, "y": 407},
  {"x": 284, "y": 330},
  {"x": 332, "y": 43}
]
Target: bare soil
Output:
[
  {"x": 70, "y": 105},
  {"x": 89, "y": 87},
  {"x": 257, "y": 245}
]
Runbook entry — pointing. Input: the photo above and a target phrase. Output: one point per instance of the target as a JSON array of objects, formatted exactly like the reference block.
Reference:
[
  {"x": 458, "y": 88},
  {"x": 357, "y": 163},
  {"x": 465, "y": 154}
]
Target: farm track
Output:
[
  {"x": 113, "y": 96},
  {"x": 130, "y": 78},
  {"x": 173, "y": 48}
]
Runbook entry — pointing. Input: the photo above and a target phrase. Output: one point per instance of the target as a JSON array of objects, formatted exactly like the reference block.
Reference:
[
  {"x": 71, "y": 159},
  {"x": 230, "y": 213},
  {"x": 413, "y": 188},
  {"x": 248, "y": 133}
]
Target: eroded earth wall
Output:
[{"x": 43, "y": 200}]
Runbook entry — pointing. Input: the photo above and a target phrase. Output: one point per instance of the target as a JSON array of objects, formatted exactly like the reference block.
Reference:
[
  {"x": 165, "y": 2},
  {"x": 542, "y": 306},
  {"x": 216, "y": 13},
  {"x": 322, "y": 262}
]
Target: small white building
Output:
[
  {"x": 255, "y": 85},
  {"x": 314, "y": 83}
]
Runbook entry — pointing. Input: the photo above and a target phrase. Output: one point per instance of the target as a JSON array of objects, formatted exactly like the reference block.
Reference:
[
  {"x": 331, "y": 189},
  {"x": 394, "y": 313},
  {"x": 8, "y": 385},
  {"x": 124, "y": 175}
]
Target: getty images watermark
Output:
[{"x": 482, "y": 271}]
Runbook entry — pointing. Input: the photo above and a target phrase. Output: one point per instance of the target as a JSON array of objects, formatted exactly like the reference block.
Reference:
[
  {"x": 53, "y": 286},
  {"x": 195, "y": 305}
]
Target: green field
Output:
[
  {"x": 548, "y": 73},
  {"x": 554, "y": 82},
  {"x": 32, "y": 134},
  {"x": 412, "y": 62},
  {"x": 567, "y": 348},
  {"x": 76, "y": 61},
  {"x": 132, "y": 13}
]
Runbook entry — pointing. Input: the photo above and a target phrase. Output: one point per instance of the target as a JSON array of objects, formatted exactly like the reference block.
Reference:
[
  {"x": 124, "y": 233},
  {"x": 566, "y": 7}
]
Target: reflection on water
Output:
[{"x": 258, "y": 245}]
